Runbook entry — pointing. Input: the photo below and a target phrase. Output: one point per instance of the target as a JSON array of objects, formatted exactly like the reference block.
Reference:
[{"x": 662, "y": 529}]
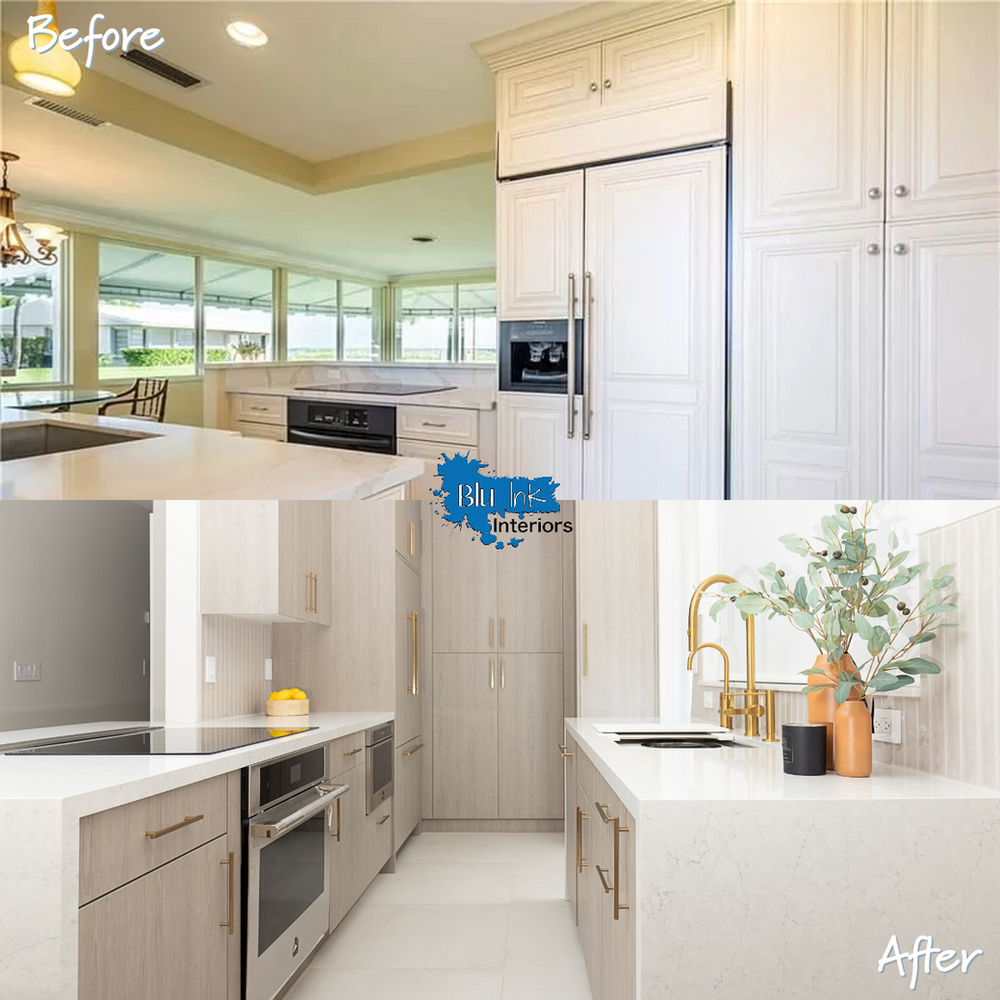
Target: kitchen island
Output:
[
  {"x": 736, "y": 880},
  {"x": 42, "y": 801},
  {"x": 171, "y": 461}
]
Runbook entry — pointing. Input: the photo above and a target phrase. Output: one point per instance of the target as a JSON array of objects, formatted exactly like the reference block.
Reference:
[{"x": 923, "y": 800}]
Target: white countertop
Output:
[
  {"x": 748, "y": 770},
  {"x": 193, "y": 463},
  {"x": 466, "y": 399},
  {"x": 86, "y": 784}
]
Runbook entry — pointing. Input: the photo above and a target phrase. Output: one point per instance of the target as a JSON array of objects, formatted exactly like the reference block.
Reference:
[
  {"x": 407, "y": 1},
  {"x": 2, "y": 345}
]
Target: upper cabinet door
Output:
[
  {"x": 655, "y": 343},
  {"x": 944, "y": 109},
  {"x": 664, "y": 62},
  {"x": 943, "y": 360},
  {"x": 809, "y": 365},
  {"x": 304, "y": 560},
  {"x": 551, "y": 89},
  {"x": 810, "y": 122},
  {"x": 539, "y": 245},
  {"x": 464, "y": 578}
]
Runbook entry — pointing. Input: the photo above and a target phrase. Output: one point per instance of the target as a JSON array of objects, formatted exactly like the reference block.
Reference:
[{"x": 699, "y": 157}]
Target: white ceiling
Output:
[
  {"x": 123, "y": 177},
  {"x": 336, "y": 77}
]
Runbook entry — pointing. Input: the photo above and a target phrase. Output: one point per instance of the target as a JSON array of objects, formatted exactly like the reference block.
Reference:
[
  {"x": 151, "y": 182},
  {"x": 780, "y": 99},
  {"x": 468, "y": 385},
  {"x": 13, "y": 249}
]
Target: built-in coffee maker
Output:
[{"x": 534, "y": 355}]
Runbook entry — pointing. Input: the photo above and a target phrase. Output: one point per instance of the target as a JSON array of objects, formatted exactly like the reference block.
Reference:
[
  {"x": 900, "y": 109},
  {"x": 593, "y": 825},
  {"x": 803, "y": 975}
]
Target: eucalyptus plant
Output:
[{"x": 849, "y": 597}]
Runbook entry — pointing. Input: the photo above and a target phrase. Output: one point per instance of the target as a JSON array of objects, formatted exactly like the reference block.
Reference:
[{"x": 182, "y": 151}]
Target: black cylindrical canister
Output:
[{"x": 803, "y": 745}]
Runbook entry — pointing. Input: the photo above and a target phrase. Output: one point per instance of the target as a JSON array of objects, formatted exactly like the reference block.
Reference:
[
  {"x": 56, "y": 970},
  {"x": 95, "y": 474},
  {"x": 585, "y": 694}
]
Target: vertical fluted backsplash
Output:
[
  {"x": 240, "y": 648},
  {"x": 952, "y": 728}
]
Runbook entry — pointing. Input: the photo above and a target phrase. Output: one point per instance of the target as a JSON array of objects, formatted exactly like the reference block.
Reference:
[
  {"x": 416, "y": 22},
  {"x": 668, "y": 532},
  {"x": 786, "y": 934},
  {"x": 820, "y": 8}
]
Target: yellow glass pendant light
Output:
[{"x": 54, "y": 72}]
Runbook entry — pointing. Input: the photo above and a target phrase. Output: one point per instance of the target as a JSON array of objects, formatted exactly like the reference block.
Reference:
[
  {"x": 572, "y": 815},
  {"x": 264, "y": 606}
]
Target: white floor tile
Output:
[
  {"x": 542, "y": 935},
  {"x": 445, "y": 884},
  {"x": 547, "y": 848},
  {"x": 564, "y": 983},
  {"x": 459, "y": 848},
  {"x": 377, "y": 936},
  {"x": 538, "y": 882},
  {"x": 398, "y": 984}
]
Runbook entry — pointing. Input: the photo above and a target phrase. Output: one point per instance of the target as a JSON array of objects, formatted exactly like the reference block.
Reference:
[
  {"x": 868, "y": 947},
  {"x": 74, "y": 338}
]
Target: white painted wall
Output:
[{"x": 74, "y": 592}]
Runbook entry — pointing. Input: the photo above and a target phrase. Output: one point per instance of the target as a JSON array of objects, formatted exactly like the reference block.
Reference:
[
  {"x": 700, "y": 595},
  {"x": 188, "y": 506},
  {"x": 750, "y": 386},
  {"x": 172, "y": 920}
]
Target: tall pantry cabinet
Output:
[{"x": 867, "y": 253}]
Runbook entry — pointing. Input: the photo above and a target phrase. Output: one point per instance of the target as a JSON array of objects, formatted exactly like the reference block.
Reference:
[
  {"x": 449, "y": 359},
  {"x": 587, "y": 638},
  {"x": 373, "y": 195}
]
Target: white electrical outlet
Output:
[
  {"x": 209, "y": 669},
  {"x": 888, "y": 725},
  {"x": 708, "y": 699},
  {"x": 27, "y": 670},
  {"x": 268, "y": 673}
]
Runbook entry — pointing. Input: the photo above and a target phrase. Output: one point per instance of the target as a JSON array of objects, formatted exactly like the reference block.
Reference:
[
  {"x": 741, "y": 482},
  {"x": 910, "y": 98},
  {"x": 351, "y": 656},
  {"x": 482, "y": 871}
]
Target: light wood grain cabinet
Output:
[
  {"x": 348, "y": 830},
  {"x": 267, "y": 560},
  {"x": 407, "y": 790},
  {"x": 408, "y": 542},
  {"x": 464, "y": 578}
]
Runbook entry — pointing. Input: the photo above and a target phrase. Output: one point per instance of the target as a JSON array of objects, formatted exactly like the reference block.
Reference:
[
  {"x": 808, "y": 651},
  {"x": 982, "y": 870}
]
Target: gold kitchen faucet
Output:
[{"x": 752, "y": 709}]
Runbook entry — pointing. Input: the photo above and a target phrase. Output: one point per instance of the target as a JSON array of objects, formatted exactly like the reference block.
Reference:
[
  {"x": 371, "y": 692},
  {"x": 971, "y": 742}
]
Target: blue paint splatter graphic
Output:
[{"x": 467, "y": 496}]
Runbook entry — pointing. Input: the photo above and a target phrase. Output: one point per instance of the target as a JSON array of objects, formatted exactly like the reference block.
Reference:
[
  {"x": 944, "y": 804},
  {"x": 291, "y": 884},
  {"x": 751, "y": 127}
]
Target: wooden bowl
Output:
[{"x": 291, "y": 707}]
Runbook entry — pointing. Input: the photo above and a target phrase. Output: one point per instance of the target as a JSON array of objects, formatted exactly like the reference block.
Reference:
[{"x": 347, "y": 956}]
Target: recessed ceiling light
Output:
[
  {"x": 245, "y": 33},
  {"x": 422, "y": 239}
]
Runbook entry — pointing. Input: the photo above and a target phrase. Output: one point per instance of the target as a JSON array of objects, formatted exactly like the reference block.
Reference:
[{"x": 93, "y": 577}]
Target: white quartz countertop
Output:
[
  {"x": 466, "y": 399},
  {"x": 89, "y": 784},
  {"x": 172, "y": 461},
  {"x": 748, "y": 770}
]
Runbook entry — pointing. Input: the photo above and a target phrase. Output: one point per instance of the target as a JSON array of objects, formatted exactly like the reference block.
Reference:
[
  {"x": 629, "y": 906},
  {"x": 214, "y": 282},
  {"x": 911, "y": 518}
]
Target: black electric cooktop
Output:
[
  {"x": 165, "y": 741},
  {"x": 374, "y": 388}
]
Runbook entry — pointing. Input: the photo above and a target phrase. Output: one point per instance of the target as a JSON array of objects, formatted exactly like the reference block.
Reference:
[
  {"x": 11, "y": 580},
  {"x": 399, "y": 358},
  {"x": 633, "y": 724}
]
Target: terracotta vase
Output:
[
  {"x": 852, "y": 727},
  {"x": 822, "y": 704}
]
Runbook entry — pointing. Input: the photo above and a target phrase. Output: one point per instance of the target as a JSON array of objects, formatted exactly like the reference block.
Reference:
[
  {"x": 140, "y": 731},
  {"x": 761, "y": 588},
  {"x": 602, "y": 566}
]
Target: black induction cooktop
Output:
[
  {"x": 374, "y": 388},
  {"x": 213, "y": 739}
]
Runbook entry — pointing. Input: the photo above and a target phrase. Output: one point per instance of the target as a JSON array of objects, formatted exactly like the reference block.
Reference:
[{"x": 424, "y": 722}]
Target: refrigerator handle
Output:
[
  {"x": 588, "y": 319},
  {"x": 571, "y": 359}
]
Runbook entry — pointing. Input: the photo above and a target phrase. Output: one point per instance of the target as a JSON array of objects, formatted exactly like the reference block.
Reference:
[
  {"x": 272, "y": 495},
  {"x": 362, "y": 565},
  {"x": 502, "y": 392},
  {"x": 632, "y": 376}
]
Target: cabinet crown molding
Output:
[{"x": 587, "y": 25}]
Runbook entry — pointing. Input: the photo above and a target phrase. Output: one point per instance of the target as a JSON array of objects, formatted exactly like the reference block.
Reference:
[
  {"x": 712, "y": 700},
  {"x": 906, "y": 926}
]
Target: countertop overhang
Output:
[{"x": 465, "y": 399}]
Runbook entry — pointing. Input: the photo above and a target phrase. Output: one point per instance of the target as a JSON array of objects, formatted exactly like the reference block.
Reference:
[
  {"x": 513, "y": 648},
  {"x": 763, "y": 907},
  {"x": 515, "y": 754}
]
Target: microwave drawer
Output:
[
  {"x": 116, "y": 845},
  {"x": 438, "y": 423}
]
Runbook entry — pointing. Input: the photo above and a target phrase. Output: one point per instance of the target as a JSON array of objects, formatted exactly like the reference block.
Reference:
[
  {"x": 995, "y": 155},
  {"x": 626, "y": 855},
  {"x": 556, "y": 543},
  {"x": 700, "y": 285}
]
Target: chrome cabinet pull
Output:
[
  {"x": 873, "y": 249},
  {"x": 337, "y": 834},
  {"x": 899, "y": 249},
  {"x": 229, "y": 923},
  {"x": 187, "y": 821},
  {"x": 874, "y": 193},
  {"x": 571, "y": 354},
  {"x": 900, "y": 190},
  {"x": 588, "y": 323},
  {"x": 607, "y": 84},
  {"x": 593, "y": 88},
  {"x": 431, "y": 423}
]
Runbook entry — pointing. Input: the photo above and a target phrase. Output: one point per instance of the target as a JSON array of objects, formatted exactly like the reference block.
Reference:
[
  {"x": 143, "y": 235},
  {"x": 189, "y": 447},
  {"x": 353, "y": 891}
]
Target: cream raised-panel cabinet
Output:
[
  {"x": 809, "y": 365},
  {"x": 943, "y": 360},
  {"x": 809, "y": 114},
  {"x": 534, "y": 440},
  {"x": 163, "y": 935},
  {"x": 655, "y": 245},
  {"x": 944, "y": 109},
  {"x": 550, "y": 89},
  {"x": 267, "y": 560},
  {"x": 616, "y": 608},
  {"x": 540, "y": 242}
]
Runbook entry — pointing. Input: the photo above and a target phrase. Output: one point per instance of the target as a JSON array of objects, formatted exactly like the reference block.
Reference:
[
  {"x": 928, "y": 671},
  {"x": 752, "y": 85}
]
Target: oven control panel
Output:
[{"x": 338, "y": 416}]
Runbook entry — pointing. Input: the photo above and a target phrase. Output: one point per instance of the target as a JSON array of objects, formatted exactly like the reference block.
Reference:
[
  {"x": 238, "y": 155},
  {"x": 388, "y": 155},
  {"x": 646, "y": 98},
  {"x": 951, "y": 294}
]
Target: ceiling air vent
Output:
[
  {"x": 61, "y": 109},
  {"x": 150, "y": 63}
]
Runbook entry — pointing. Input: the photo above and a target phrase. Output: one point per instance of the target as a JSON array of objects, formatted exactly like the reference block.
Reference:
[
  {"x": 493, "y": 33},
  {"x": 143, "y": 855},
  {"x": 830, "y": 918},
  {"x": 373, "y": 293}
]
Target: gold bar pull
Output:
[
  {"x": 229, "y": 923},
  {"x": 493, "y": 678},
  {"x": 187, "y": 821},
  {"x": 618, "y": 831},
  {"x": 351, "y": 753},
  {"x": 414, "y": 681},
  {"x": 581, "y": 861},
  {"x": 383, "y": 819},
  {"x": 413, "y": 542},
  {"x": 601, "y": 811},
  {"x": 565, "y": 750},
  {"x": 491, "y": 633},
  {"x": 584, "y": 649},
  {"x": 601, "y": 872},
  {"x": 411, "y": 751}
]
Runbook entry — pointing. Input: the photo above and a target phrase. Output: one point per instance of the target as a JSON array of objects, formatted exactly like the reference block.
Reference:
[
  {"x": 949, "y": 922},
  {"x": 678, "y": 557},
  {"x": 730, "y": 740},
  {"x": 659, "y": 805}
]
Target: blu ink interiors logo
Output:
[
  {"x": 43, "y": 36},
  {"x": 945, "y": 959}
]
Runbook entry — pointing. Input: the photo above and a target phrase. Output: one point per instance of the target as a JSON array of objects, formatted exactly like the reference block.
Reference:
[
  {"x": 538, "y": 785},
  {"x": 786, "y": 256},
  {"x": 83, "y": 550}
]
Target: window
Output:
[
  {"x": 455, "y": 322},
  {"x": 361, "y": 322},
  {"x": 31, "y": 346},
  {"x": 239, "y": 317},
  {"x": 146, "y": 313},
  {"x": 312, "y": 317}
]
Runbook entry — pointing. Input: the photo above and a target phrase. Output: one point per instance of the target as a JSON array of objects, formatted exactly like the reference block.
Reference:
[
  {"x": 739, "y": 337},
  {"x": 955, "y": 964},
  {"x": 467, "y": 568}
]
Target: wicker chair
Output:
[{"x": 147, "y": 399}]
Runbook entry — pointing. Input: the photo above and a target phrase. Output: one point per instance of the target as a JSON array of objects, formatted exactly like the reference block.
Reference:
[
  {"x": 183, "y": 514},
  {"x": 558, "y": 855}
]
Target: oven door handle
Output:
[
  {"x": 272, "y": 831},
  {"x": 351, "y": 442}
]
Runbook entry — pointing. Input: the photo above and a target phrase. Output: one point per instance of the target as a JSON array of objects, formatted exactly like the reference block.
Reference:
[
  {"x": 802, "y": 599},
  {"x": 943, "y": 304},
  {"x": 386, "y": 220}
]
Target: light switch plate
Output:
[
  {"x": 268, "y": 672},
  {"x": 888, "y": 725},
  {"x": 707, "y": 699},
  {"x": 27, "y": 670},
  {"x": 209, "y": 669}
]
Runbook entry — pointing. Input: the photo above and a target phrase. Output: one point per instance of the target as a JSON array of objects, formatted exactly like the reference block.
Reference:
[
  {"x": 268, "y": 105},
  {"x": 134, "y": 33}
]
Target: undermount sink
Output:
[
  {"x": 678, "y": 743},
  {"x": 31, "y": 440}
]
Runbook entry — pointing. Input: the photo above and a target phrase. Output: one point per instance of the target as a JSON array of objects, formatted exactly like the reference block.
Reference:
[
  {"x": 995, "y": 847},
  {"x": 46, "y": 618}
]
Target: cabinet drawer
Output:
[
  {"x": 115, "y": 846},
  {"x": 347, "y": 752},
  {"x": 437, "y": 423},
  {"x": 557, "y": 87},
  {"x": 259, "y": 409},
  {"x": 271, "y": 432}
]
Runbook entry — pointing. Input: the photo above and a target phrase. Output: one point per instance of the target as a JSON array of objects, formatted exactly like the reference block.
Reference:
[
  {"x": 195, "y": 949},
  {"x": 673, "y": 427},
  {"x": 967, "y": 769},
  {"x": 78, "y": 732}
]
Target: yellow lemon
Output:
[
  {"x": 282, "y": 695},
  {"x": 298, "y": 695}
]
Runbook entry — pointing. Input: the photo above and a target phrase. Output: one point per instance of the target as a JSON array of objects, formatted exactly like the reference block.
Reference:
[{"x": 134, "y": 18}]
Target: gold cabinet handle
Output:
[
  {"x": 581, "y": 861},
  {"x": 503, "y": 672},
  {"x": 411, "y": 751},
  {"x": 413, "y": 539},
  {"x": 491, "y": 633},
  {"x": 584, "y": 649},
  {"x": 383, "y": 819},
  {"x": 413, "y": 688},
  {"x": 565, "y": 750},
  {"x": 187, "y": 821},
  {"x": 502, "y": 631},
  {"x": 493, "y": 676},
  {"x": 619, "y": 830},
  {"x": 601, "y": 872},
  {"x": 351, "y": 753},
  {"x": 229, "y": 923},
  {"x": 601, "y": 811}
]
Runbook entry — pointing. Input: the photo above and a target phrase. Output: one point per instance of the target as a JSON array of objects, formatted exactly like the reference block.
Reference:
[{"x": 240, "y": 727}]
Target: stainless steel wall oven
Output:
[{"x": 378, "y": 760}]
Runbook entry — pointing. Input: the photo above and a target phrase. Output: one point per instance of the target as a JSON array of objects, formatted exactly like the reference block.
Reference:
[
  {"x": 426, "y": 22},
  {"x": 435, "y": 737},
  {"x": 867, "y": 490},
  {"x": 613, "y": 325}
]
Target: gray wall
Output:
[{"x": 74, "y": 592}]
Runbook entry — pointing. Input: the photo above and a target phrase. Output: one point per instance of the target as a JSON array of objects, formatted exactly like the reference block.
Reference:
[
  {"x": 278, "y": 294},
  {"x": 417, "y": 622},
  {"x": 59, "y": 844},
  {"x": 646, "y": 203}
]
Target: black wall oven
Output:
[
  {"x": 535, "y": 355},
  {"x": 287, "y": 868},
  {"x": 354, "y": 426}
]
